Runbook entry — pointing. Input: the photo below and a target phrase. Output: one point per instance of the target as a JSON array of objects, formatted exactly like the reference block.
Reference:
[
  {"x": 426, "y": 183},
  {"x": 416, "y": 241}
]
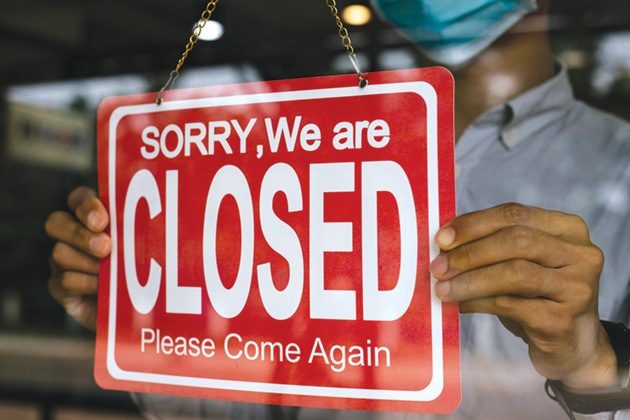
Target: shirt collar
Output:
[{"x": 532, "y": 111}]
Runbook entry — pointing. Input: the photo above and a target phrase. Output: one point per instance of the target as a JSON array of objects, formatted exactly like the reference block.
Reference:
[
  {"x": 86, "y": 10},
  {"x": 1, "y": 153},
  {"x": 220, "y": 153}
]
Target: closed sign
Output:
[{"x": 271, "y": 243}]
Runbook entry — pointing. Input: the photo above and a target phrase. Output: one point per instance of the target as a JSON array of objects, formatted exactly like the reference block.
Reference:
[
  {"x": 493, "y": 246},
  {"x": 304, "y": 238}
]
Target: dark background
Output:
[{"x": 45, "y": 358}]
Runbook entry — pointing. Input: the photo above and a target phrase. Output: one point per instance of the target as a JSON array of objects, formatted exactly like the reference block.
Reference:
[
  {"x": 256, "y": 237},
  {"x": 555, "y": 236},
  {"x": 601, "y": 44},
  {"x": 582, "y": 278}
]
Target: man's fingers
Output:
[
  {"x": 73, "y": 283},
  {"x": 503, "y": 306},
  {"x": 81, "y": 307},
  {"x": 79, "y": 283},
  {"x": 65, "y": 228},
  {"x": 543, "y": 320},
  {"x": 473, "y": 226},
  {"x": 88, "y": 209},
  {"x": 514, "y": 277},
  {"x": 54, "y": 268},
  {"x": 71, "y": 259},
  {"x": 515, "y": 242}
]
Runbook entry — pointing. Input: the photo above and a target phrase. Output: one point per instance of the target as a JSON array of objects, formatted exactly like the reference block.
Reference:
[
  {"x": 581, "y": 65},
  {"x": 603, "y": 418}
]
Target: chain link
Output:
[
  {"x": 343, "y": 32},
  {"x": 345, "y": 41},
  {"x": 205, "y": 16}
]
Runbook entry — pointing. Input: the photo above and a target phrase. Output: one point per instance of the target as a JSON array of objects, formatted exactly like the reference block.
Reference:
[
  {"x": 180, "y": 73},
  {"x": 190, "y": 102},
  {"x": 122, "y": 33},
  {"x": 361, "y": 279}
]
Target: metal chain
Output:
[
  {"x": 197, "y": 32},
  {"x": 346, "y": 42},
  {"x": 205, "y": 16},
  {"x": 343, "y": 32}
]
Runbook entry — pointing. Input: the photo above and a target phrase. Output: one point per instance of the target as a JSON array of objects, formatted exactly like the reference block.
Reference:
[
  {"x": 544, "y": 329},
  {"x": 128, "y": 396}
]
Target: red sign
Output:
[{"x": 271, "y": 243}]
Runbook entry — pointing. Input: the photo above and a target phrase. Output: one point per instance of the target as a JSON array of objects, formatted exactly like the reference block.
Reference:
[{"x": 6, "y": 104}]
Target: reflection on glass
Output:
[{"x": 613, "y": 62}]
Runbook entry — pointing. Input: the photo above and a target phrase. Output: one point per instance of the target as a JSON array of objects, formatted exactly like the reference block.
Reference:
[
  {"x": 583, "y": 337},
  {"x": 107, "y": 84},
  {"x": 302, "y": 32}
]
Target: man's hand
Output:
[
  {"x": 75, "y": 257},
  {"x": 539, "y": 272}
]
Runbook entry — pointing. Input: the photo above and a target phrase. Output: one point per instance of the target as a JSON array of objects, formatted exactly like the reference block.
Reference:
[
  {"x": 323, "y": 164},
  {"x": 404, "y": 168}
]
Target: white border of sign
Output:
[{"x": 435, "y": 387}]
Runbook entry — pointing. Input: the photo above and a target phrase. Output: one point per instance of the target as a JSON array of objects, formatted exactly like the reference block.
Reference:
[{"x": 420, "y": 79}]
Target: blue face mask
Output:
[{"x": 452, "y": 32}]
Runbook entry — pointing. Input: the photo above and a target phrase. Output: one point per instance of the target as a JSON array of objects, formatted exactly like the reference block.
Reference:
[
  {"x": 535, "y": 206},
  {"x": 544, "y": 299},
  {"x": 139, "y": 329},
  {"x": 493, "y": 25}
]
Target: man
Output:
[{"x": 531, "y": 284}]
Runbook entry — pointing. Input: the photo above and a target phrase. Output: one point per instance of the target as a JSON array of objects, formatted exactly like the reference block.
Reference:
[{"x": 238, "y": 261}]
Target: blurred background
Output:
[{"x": 59, "y": 59}]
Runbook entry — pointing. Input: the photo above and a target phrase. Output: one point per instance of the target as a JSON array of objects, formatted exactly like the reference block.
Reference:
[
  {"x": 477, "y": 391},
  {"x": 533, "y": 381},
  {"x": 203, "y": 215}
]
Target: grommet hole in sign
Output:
[{"x": 207, "y": 13}]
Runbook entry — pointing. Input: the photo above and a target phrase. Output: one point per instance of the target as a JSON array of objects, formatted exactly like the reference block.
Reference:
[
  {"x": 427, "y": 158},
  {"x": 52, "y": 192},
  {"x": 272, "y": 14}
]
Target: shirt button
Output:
[
  {"x": 511, "y": 138},
  {"x": 458, "y": 171}
]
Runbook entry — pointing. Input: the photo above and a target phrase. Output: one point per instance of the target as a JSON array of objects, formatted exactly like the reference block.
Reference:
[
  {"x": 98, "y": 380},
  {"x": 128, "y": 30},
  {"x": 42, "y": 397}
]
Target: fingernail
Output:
[
  {"x": 95, "y": 220},
  {"x": 445, "y": 237},
  {"x": 98, "y": 245},
  {"x": 442, "y": 289},
  {"x": 439, "y": 265}
]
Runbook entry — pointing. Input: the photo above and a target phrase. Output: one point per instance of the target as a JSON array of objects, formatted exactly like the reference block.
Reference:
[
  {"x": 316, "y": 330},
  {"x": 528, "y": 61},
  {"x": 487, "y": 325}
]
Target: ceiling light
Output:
[
  {"x": 356, "y": 15},
  {"x": 211, "y": 31}
]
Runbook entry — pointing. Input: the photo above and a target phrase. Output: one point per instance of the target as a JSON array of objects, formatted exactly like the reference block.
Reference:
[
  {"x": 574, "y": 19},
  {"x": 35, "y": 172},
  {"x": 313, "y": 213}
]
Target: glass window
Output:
[{"x": 520, "y": 138}]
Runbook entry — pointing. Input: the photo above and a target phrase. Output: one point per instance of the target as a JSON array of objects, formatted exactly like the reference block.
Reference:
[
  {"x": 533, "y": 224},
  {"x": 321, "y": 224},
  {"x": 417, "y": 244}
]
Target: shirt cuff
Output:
[{"x": 608, "y": 415}]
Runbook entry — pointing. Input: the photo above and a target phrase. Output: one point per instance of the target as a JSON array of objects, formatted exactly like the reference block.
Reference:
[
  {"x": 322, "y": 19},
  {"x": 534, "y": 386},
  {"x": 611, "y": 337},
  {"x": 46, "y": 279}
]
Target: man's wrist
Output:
[
  {"x": 613, "y": 398},
  {"x": 619, "y": 337},
  {"x": 602, "y": 371}
]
